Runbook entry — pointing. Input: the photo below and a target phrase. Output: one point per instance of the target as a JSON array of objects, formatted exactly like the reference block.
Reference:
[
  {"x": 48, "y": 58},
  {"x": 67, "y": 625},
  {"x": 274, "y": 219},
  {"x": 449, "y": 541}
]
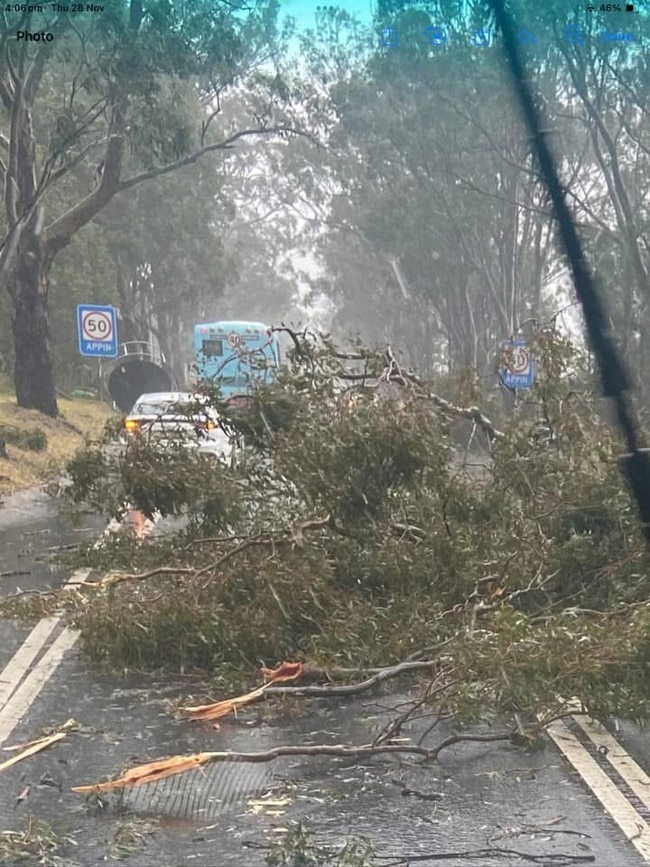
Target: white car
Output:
[{"x": 178, "y": 418}]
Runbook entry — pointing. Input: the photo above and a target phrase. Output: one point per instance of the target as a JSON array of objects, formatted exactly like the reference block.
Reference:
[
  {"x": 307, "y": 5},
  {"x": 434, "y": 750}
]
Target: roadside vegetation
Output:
[
  {"x": 38, "y": 447},
  {"x": 351, "y": 537}
]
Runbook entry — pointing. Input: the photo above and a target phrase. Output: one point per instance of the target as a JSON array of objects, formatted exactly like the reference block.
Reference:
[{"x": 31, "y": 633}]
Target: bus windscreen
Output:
[{"x": 212, "y": 348}]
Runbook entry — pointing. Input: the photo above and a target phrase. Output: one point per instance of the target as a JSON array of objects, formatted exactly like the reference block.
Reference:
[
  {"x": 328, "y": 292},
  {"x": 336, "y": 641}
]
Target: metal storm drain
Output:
[{"x": 203, "y": 793}]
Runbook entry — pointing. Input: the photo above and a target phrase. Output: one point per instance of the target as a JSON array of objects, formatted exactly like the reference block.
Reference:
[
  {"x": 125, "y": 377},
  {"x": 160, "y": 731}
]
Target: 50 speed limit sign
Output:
[
  {"x": 97, "y": 328},
  {"x": 516, "y": 370}
]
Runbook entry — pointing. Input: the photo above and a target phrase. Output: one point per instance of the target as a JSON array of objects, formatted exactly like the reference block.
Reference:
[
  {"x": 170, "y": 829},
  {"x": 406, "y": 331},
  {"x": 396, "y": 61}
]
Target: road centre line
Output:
[
  {"x": 16, "y": 698},
  {"x": 15, "y": 669},
  {"x": 622, "y": 762},
  {"x": 20, "y": 662},
  {"x": 22, "y": 699},
  {"x": 631, "y": 823}
]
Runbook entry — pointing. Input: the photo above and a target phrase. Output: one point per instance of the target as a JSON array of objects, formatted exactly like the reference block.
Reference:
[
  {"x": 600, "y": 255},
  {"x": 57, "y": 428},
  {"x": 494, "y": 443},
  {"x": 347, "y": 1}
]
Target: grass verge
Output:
[{"x": 25, "y": 467}]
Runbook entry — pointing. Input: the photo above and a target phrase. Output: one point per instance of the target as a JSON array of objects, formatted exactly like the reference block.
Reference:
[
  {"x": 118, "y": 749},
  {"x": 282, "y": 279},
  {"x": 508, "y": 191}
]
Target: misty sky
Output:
[{"x": 304, "y": 10}]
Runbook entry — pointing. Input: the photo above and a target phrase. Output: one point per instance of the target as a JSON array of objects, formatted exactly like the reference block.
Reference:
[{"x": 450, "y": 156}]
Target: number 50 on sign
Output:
[{"x": 97, "y": 327}]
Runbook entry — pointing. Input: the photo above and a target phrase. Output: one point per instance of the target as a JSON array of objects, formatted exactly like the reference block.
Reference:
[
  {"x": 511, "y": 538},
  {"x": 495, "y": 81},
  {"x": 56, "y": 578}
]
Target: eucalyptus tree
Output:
[
  {"x": 437, "y": 194},
  {"x": 127, "y": 84},
  {"x": 439, "y": 231},
  {"x": 166, "y": 256}
]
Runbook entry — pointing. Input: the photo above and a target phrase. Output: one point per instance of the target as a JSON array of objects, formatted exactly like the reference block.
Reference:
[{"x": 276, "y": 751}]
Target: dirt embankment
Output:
[{"x": 37, "y": 447}]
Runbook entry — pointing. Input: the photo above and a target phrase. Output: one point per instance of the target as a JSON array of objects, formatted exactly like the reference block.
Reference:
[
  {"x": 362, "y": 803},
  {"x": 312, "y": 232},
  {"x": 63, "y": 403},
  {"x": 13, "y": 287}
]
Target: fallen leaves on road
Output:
[
  {"x": 23, "y": 796},
  {"x": 269, "y": 806}
]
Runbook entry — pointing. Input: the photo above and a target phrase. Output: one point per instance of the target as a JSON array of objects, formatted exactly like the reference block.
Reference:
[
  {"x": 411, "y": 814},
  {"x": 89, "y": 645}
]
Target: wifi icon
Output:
[{"x": 590, "y": 8}]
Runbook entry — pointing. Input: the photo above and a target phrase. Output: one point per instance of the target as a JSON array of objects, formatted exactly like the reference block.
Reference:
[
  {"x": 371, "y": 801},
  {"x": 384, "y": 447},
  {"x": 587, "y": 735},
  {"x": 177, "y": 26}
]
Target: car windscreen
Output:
[{"x": 161, "y": 407}]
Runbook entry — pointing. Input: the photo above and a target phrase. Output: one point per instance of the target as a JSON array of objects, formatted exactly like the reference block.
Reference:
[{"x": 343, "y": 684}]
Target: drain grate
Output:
[{"x": 203, "y": 793}]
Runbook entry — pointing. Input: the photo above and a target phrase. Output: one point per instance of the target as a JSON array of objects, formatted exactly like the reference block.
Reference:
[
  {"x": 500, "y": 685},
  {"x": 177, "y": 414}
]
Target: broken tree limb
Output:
[
  {"x": 222, "y": 708},
  {"x": 291, "y": 535},
  {"x": 473, "y": 413},
  {"x": 23, "y": 751},
  {"x": 154, "y": 771}
]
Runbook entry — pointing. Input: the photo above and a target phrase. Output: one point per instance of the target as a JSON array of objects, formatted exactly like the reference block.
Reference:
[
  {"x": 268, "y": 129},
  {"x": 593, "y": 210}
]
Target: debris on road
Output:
[
  {"x": 36, "y": 746},
  {"x": 286, "y": 671}
]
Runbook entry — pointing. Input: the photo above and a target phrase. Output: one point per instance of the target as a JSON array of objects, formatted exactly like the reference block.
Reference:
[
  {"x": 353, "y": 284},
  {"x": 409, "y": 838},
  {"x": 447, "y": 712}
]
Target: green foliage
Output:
[
  {"x": 119, "y": 100},
  {"x": 297, "y": 849},
  {"x": 164, "y": 481},
  {"x": 351, "y": 535}
]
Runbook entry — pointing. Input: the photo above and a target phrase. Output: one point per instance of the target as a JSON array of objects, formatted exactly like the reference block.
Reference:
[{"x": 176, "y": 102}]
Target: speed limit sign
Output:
[
  {"x": 516, "y": 369},
  {"x": 97, "y": 327},
  {"x": 235, "y": 341}
]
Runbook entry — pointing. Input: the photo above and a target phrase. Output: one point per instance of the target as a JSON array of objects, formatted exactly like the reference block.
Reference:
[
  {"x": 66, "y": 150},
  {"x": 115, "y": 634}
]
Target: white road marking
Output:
[
  {"x": 17, "y": 698},
  {"x": 19, "y": 664},
  {"x": 619, "y": 759},
  {"x": 15, "y": 669},
  {"x": 631, "y": 823},
  {"x": 22, "y": 699}
]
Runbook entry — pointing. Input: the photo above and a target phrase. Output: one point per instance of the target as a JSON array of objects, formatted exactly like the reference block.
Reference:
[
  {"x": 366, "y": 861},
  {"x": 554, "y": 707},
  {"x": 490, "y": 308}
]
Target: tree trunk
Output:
[{"x": 33, "y": 368}]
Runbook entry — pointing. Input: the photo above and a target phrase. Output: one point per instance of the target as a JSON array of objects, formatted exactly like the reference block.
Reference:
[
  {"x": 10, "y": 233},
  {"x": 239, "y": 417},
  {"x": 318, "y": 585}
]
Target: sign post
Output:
[
  {"x": 517, "y": 369},
  {"x": 97, "y": 329}
]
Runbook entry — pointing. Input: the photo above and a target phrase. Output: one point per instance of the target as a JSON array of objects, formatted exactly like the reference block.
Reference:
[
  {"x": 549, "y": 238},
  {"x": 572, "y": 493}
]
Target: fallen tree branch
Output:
[
  {"x": 548, "y": 860},
  {"x": 222, "y": 708},
  {"x": 118, "y": 577},
  {"x": 394, "y": 728},
  {"x": 154, "y": 771},
  {"x": 472, "y": 412},
  {"x": 288, "y": 536}
]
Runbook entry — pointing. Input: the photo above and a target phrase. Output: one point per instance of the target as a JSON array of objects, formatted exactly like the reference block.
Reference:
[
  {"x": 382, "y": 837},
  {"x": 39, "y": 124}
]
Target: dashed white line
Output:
[{"x": 15, "y": 697}]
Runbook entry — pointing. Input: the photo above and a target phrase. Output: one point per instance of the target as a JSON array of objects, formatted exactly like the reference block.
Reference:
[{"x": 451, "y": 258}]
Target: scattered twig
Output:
[
  {"x": 537, "y": 829},
  {"x": 555, "y": 858},
  {"x": 413, "y": 793},
  {"x": 20, "y": 593}
]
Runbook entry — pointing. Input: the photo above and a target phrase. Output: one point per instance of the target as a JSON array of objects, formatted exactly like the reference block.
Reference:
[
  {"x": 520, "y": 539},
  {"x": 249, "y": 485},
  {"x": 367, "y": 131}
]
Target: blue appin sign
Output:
[
  {"x": 516, "y": 369},
  {"x": 97, "y": 327}
]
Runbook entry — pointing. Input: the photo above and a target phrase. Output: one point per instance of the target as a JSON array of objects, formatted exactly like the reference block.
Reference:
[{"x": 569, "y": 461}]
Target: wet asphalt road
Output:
[
  {"x": 477, "y": 797},
  {"x": 32, "y": 532}
]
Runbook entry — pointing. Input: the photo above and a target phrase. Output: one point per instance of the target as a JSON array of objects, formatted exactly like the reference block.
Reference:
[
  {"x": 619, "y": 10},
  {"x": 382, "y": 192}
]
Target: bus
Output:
[{"x": 235, "y": 356}]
